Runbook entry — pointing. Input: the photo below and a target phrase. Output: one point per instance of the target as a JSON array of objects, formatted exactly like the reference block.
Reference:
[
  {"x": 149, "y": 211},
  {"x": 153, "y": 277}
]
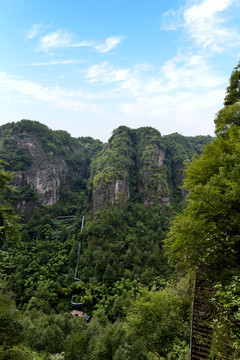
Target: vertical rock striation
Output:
[
  {"x": 152, "y": 174},
  {"x": 110, "y": 172},
  {"x": 131, "y": 156},
  {"x": 46, "y": 171}
]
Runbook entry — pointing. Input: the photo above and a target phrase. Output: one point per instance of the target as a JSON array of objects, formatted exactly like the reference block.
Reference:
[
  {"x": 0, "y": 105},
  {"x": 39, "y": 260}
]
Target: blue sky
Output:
[{"x": 88, "y": 67}]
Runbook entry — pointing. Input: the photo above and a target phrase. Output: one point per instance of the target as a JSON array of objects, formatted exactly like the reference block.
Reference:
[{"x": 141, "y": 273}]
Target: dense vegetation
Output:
[
  {"x": 138, "y": 298},
  {"x": 123, "y": 270},
  {"x": 205, "y": 236}
]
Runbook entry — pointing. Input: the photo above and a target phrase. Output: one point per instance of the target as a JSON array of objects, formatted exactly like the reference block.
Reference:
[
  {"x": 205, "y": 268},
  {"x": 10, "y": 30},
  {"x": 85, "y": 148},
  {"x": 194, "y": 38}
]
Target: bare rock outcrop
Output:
[
  {"x": 46, "y": 172},
  {"x": 152, "y": 179},
  {"x": 115, "y": 191}
]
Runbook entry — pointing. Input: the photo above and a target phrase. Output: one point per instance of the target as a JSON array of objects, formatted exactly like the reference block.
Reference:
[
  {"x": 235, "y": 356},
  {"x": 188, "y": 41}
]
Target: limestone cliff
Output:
[
  {"x": 44, "y": 161},
  {"x": 135, "y": 165},
  {"x": 141, "y": 165},
  {"x": 46, "y": 172},
  {"x": 110, "y": 172},
  {"x": 152, "y": 174},
  {"x": 115, "y": 191},
  {"x": 131, "y": 156}
]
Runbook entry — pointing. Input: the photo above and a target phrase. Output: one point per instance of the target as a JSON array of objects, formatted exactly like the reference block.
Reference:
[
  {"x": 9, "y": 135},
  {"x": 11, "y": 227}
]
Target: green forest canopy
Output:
[{"x": 206, "y": 235}]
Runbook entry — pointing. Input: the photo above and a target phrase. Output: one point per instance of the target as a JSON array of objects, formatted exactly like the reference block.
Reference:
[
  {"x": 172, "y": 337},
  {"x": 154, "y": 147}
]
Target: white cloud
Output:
[
  {"x": 60, "y": 39},
  {"x": 109, "y": 44},
  {"x": 182, "y": 95},
  {"x": 105, "y": 73},
  {"x": 33, "y": 32},
  {"x": 65, "y": 39},
  {"x": 54, "y": 40},
  {"x": 183, "y": 73},
  {"x": 172, "y": 19},
  {"x": 81, "y": 44},
  {"x": 56, "y": 62},
  {"x": 75, "y": 100},
  {"x": 187, "y": 113},
  {"x": 190, "y": 72},
  {"x": 97, "y": 72},
  {"x": 204, "y": 23}
]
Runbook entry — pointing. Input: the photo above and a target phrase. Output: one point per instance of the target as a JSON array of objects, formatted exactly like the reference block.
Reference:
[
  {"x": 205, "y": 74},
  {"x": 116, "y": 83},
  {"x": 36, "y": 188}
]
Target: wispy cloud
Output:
[
  {"x": 105, "y": 73},
  {"x": 204, "y": 24},
  {"x": 55, "y": 62},
  {"x": 109, "y": 44},
  {"x": 33, "y": 32},
  {"x": 172, "y": 19},
  {"x": 65, "y": 39},
  {"x": 190, "y": 72},
  {"x": 54, "y": 40},
  {"x": 59, "y": 39},
  {"x": 75, "y": 100},
  {"x": 183, "y": 95},
  {"x": 183, "y": 73},
  {"x": 185, "y": 89}
]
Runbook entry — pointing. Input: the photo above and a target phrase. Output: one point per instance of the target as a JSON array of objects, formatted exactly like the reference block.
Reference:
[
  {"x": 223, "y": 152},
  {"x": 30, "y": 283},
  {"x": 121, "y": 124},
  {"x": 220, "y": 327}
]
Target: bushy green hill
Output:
[{"x": 128, "y": 190}]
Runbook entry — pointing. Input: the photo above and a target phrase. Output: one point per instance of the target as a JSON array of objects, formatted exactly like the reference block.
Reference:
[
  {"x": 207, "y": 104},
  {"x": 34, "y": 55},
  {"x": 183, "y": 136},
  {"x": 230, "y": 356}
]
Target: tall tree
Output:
[
  {"x": 8, "y": 225},
  {"x": 206, "y": 235},
  {"x": 233, "y": 90}
]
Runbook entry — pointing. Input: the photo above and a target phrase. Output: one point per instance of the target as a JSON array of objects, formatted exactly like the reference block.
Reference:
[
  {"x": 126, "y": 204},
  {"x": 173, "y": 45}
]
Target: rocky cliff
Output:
[
  {"x": 110, "y": 171},
  {"x": 141, "y": 164},
  {"x": 135, "y": 165},
  {"x": 46, "y": 172},
  {"x": 152, "y": 172},
  {"x": 43, "y": 160}
]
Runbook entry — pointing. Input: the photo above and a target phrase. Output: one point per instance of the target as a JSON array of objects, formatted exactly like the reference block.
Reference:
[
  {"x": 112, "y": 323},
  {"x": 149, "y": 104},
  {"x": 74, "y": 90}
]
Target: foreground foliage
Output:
[
  {"x": 156, "y": 327},
  {"x": 206, "y": 234}
]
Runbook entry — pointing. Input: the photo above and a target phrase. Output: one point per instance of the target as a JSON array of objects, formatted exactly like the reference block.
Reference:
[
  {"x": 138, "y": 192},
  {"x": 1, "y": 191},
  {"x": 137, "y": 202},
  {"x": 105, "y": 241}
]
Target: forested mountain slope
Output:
[
  {"x": 135, "y": 165},
  {"x": 44, "y": 161},
  {"x": 128, "y": 190}
]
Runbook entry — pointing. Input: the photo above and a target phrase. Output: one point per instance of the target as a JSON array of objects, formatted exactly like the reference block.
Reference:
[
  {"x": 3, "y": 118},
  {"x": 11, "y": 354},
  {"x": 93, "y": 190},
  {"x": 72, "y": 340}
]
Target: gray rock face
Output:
[
  {"x": 114, "y": 191},
  {"x": 28, "y": 144},
  {"x": 138, "y": 165},
  {"x": 152, "y": 180},
  {"x": 157, "y": 157},
  {"x": 121, "y": 191},
  {"x": 46, "y": 180},
  {"x": 46, "y": 172}
]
